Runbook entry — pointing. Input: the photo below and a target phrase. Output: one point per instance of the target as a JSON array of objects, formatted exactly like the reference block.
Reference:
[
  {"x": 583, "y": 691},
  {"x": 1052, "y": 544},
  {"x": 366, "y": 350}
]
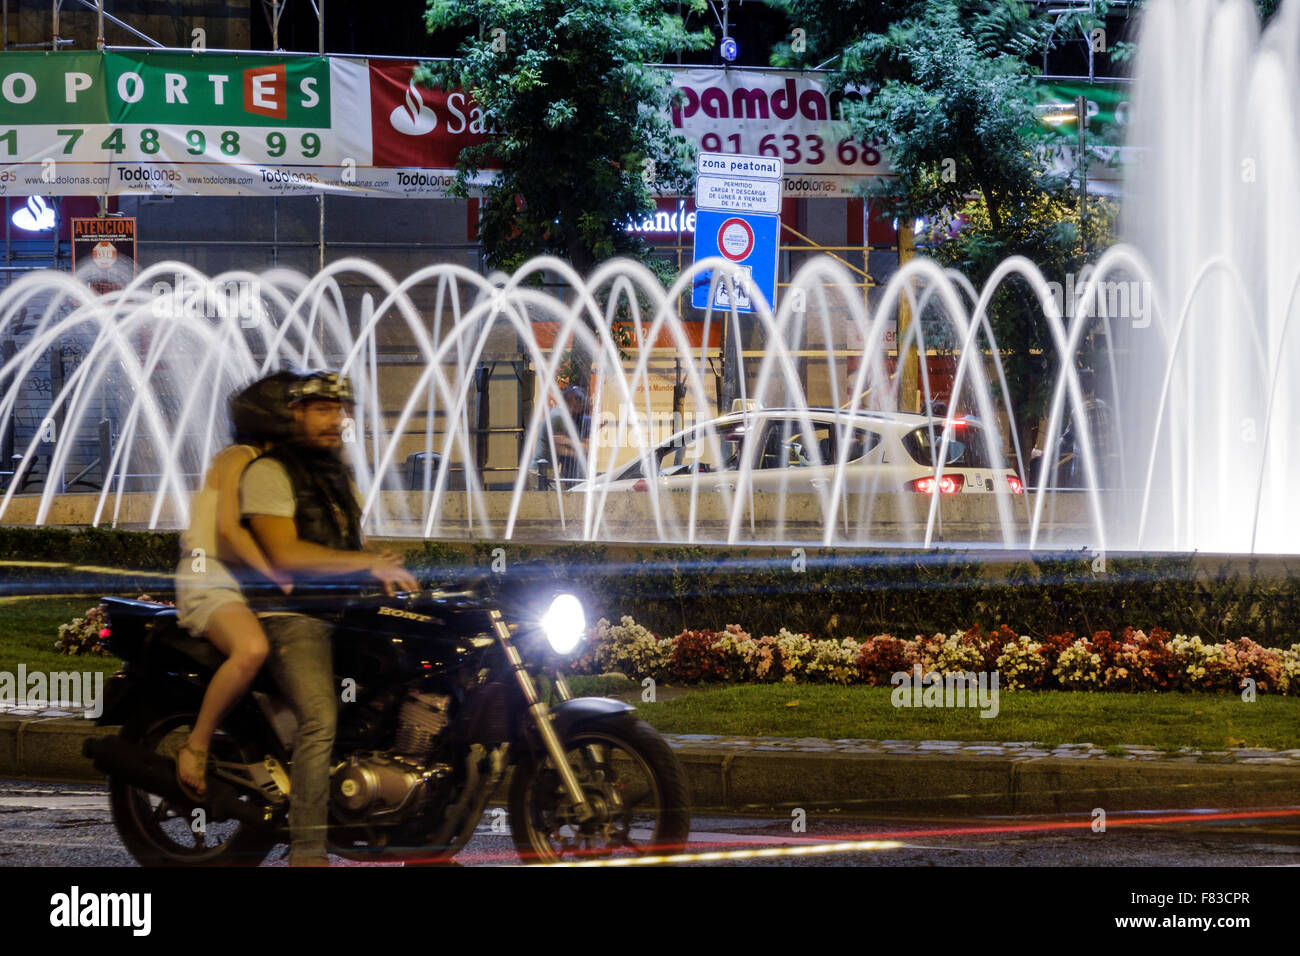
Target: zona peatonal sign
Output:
[
  {"x": 217, "y": 124},
  {"x": 738, "y": 200}
]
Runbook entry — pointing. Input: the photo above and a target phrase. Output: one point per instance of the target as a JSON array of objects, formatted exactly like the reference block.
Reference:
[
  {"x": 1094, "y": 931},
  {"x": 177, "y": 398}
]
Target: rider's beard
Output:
[{"x": 309, "y": 447}]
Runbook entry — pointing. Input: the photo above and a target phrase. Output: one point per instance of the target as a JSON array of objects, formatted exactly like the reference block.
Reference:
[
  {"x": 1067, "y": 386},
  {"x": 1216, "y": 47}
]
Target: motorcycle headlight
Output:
[{"x": 564, "y": 623}]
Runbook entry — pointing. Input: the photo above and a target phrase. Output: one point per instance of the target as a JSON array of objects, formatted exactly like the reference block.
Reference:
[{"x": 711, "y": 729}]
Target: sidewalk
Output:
[{"x": 859, "y": 776}]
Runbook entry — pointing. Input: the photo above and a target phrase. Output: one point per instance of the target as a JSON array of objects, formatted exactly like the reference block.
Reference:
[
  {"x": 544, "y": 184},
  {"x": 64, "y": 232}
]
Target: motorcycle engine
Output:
[
  {"x": 370, "y": 783},
  {"x": 422, "y": 718}
]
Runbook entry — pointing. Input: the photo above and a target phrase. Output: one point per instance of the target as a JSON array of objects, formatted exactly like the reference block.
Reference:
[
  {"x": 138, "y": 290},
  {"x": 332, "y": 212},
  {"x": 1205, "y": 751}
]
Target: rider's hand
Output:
[{"x": 392, "y": 576}]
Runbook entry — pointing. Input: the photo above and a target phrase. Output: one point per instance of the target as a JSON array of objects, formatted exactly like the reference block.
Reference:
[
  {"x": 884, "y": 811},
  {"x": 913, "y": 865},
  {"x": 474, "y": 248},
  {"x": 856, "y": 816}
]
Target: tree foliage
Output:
[
  {"x": 950, "y": 90},
  {"x": 828, "y": 24},
  {"x": 580, "y": 134}
]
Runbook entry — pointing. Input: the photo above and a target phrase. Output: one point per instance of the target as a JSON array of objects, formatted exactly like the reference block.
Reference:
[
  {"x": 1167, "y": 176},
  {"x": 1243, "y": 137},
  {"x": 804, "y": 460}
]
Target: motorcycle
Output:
[{"x": 440, "y": 701}]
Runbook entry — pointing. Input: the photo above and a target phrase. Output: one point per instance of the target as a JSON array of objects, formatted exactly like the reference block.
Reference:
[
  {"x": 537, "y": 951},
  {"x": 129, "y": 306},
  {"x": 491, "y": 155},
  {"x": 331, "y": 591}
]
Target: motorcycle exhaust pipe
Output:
[{"x": 154, "y": 773}]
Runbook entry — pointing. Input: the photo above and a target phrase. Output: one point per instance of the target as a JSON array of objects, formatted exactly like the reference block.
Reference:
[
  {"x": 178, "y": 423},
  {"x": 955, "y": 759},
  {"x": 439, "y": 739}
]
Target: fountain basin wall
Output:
[{"x": 542, "y": 516}]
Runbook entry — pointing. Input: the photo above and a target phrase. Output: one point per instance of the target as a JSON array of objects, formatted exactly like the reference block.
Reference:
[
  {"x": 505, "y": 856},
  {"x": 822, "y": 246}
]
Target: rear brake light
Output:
[
  {"x": 641, "y": 485},
  {"x": 948, "y": 484},
  {"x": 1017, "y": 486},
  {"x": 105, "y": 632}
]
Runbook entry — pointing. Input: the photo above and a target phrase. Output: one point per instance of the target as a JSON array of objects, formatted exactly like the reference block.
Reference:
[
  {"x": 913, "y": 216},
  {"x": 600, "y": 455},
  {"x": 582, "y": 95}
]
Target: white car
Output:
[{"x": 886, "y": 452}]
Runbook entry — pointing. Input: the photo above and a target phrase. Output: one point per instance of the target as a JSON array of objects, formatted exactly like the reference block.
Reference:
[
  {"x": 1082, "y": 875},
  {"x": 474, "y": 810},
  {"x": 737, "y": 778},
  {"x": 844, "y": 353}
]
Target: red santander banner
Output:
[{"x": 418, "y": 127}]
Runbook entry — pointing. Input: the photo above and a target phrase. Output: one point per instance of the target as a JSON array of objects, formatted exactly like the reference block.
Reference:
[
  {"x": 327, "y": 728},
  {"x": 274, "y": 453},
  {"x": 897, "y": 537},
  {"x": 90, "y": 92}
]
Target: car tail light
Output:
[
  {"x": 1017, "y": 486},
  {"x": 641, "y": 485},
  {"x": 948, "y": 484}
]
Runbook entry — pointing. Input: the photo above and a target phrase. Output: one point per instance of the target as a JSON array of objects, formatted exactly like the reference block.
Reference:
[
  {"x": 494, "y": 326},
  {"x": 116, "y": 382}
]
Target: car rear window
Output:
[{"x": 965, "y": 446}]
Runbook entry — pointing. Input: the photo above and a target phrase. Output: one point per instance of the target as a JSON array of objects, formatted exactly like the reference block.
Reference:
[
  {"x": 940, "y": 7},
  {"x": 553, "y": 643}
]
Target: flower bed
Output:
[{"x": 1134, "y": 660}]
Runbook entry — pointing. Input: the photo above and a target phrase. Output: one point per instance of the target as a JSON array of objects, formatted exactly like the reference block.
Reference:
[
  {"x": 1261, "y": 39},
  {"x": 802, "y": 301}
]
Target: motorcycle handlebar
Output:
[{"x": 519, "y": 583}]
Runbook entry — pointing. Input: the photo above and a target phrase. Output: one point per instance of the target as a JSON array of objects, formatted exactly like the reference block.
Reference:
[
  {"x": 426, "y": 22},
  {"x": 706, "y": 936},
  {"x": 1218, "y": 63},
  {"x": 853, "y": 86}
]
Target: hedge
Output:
[
  {"x": 832, "y": 593},
  {"x": 847, "y": 593}
]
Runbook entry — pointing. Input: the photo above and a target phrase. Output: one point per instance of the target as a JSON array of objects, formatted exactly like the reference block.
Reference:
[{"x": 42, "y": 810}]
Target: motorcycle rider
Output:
[{"x": 304, "y": 510}]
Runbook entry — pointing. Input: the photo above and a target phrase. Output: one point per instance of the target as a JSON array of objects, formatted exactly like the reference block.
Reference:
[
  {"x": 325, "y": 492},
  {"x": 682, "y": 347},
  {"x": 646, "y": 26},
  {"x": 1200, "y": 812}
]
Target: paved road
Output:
[{"x": 48, "y": 824}]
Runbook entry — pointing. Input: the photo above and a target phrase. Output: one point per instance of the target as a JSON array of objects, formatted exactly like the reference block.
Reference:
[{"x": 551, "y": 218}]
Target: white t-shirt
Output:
[{"x": 265, "y": 489}]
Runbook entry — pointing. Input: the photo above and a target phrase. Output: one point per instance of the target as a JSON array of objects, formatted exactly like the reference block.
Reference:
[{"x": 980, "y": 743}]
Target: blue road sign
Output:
[{"x": 750, "y": 241}]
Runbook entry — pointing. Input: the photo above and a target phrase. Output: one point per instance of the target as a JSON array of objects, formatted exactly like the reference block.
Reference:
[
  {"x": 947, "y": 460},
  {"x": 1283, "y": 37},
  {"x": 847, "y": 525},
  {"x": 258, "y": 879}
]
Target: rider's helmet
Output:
[
  {"x": 323, "y": 385},
  {"x": 261, "y": 412}
]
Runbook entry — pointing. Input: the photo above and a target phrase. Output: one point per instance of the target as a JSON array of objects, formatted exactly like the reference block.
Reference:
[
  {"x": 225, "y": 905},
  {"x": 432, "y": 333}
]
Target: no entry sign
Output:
[{"x": 736, "y": 239}]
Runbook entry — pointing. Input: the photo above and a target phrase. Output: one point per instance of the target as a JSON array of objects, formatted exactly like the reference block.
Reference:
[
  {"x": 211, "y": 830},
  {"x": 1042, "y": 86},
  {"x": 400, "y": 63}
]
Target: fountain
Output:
[
  {"x": 1213, "y": 203},
  {"x": 1202, "y": 408},
  {"x": 162, "y": 352}
]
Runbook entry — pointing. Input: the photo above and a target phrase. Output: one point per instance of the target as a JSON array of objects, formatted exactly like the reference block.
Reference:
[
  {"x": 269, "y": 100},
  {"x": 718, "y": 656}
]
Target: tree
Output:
[
  {"x": 950, "y": 92},
  {"x": 580, "y": 134},
  {"x": 826, "y": 24}
]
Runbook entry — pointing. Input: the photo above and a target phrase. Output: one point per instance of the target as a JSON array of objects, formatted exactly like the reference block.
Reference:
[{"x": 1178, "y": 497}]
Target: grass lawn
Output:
[
  {"x": 30, "y": 626},
  {"x": 1164, "y": 721}
]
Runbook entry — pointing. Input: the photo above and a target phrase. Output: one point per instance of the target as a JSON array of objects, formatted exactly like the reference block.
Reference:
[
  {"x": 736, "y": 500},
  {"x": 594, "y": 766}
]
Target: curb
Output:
[
  {"x": 744, "y": 779},
  {"x": 49, "y": 748},
  {"x": 728, "y": 777}
]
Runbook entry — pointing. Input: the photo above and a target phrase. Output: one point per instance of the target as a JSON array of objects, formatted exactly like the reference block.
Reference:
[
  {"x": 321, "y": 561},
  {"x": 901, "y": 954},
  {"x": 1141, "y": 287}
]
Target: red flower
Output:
[
  {"x": 879, "y": 658},
  {"x": 695, "y": 659}
]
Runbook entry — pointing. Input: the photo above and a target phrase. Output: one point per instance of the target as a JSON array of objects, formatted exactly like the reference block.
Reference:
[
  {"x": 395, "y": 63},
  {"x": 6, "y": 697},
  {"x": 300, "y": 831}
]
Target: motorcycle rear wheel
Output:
[
  {"x": 159, "y": 833},
  {"x": 633, "y": 782}
]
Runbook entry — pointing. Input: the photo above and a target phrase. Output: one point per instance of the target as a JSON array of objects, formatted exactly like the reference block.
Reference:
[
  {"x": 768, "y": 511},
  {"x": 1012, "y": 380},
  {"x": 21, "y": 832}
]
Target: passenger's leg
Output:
[{"x": 235, "y": 631}]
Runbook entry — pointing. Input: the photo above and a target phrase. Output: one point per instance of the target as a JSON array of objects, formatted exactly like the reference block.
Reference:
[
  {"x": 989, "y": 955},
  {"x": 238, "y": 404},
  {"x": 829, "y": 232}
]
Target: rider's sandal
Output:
[{"x": 201, "y": 758}]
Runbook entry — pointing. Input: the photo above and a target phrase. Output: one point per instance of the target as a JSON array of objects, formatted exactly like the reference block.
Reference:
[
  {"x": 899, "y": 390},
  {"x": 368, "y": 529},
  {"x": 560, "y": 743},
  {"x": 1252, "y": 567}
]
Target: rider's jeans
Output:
[{"x": 301, "y": 660}]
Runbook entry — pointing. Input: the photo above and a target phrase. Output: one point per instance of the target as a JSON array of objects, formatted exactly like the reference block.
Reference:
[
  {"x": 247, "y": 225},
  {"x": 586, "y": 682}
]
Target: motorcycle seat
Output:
[
  {"x": 199, "y": 650},
  {"x": 127, "y": 613},
  {"x": 207, "y": 656},
  {"x": 124, "y": 608}
]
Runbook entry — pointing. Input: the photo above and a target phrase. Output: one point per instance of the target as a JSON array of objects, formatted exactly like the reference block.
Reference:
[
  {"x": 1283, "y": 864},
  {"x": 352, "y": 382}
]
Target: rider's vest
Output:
[{"x": 325, "y": 512}]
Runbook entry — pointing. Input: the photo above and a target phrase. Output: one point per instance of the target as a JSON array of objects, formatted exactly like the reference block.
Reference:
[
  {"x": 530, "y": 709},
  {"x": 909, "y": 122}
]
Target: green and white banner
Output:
[
  {"x": 1106, "y": 109},
  {"x": 215, "y": 124}
]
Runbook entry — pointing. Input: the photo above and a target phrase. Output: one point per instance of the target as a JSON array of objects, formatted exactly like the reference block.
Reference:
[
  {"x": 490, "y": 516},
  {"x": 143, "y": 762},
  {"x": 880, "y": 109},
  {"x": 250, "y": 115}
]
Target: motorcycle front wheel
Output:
[
  {"x": 159, "y": 833},
  {"x": 631, "y": 780}
]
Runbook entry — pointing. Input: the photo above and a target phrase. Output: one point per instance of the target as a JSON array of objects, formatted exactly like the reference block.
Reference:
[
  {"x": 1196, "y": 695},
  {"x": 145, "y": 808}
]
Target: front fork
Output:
[{"x": 542, "y": 719}]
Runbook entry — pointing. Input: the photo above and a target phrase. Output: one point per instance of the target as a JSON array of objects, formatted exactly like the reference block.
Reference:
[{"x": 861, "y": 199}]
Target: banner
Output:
[
  {"x": 225, "y": 125},
  {"x": 776, "y": 113},
  {"x": 1107, "y": 110},
  {"x": 261, "y": 124}
]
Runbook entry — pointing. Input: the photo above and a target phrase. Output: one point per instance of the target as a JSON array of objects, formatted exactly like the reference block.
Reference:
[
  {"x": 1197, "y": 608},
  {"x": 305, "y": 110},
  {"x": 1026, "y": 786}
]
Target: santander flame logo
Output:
[
  {"x": 413, "y": 118},
  {"x": 36, "y": 216}
]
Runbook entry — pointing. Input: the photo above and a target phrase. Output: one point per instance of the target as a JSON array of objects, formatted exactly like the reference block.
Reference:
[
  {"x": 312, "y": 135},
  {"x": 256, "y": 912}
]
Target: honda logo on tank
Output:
[{"x": 416, "y": 126}]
